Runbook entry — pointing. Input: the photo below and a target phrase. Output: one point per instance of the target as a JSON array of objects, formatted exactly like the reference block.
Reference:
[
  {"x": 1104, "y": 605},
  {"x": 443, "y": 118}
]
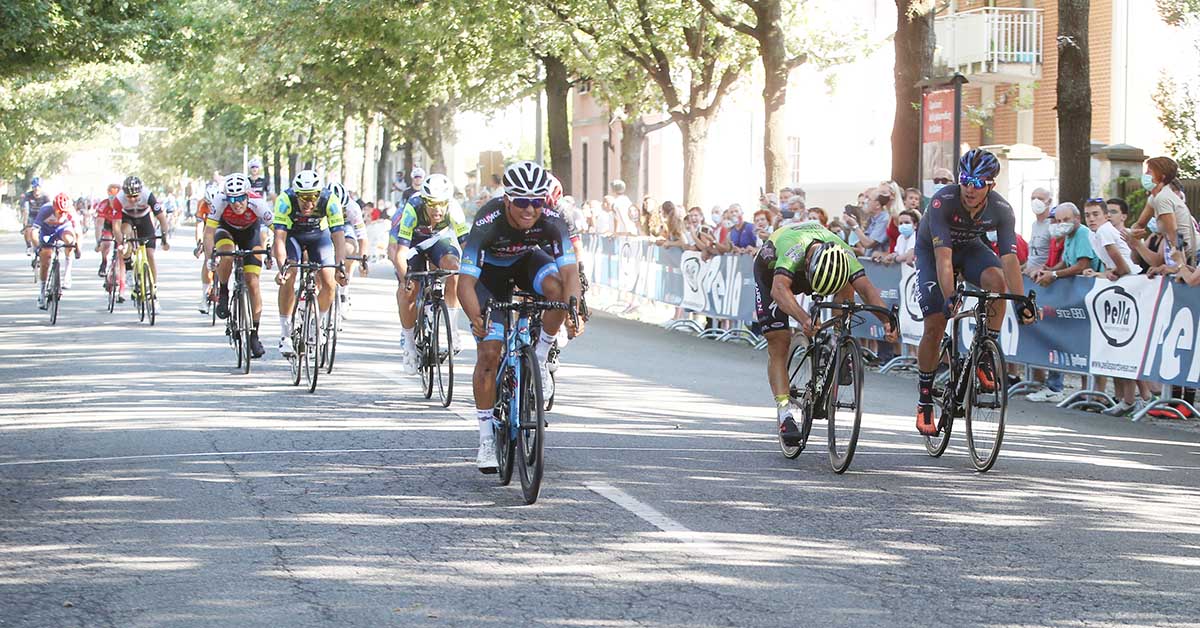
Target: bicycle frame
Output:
[{"x": 958, "y": 365}]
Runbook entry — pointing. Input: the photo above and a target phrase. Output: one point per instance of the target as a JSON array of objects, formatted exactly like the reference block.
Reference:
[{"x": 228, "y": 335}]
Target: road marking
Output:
[
  {"x": 268, "y": 452},
  {"x": 466, "y": 416},
  {"x": 647, "y": 513}
]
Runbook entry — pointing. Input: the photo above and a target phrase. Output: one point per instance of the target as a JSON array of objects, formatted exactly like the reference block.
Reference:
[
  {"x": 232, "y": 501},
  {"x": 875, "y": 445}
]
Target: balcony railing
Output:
[{"x": 991, "y": 44}]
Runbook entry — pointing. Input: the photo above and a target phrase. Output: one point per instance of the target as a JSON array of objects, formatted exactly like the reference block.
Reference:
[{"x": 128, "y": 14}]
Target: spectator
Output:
[
  {"x": 785, "y": 195},
  {"x": 820, "y": 216},
  {"x": 418, "y": 178},
  {"x": 795, "y": 209},
  {"x": 1166, "y": 203},
  {"x": 497, "y": 189},
  {"x": 741, "y": 237},
  {"x": 1022, "y": 246},
  {"x": 1052, "y": 392},
  {"x": 873, "y": 238},
  {"x": 912, "y": 199},
  {"x": 942, "y": 177},
  {"x": 706, "y": 237},
  {"x": 594, "y": 214},
  {"x": 398, "y": 187},
  {"x": 762, "y": 227},
  {"x": 1149, "y": 253},
  {"x": 798, "y": 192},
  {"x": 896, "y": 205},
  {"x": 717, "y": 216},
  {"x": 1077, "y": 247},
  {"x": 906, "y": 243},
  {"x": 1039, "y": 235},
  {"x": 606, "y": 220},
  {"x": 651, "y": 220},
  {"x": 371, "y": 212},
  {"x": 1118, "y": 213},
  {"x": 675, "y": 233},
  {"x": 1112, "y": 251}
]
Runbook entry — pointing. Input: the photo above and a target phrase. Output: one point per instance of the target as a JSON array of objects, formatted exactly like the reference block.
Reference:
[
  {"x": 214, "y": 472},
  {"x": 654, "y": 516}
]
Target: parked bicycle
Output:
[
  {"x": 306, "y": 325},
  {"x": 52, "y": 290},
  {"x": 434, "y": 335},
  {"x": 974, "y": 386},
  {"x": 144, "y": 291},
  {"x": 520, "y": 422},
  {"x": 240, "y": 322},
  {"x": 826, "y": 378}
]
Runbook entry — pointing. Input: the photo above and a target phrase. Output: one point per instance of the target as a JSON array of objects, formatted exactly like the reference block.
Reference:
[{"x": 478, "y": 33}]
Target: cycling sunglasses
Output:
[
  {"x": 238, "y": 199},
  {"x": 438, "y": 204},
  {"x": 523, "y": 203},
  {"x": 308, "y": 197},
  {"x": 977, "y": 183}
]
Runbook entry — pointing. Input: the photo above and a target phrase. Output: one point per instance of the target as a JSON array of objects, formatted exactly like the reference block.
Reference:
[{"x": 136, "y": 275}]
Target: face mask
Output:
[
  {"x": 1038, "y": 206},
  {"x": 1147, "y": 182},
  {"x": 937, "y": 187},
  {"x": 1152, "y": 226},
  {"x": 728, "y": 224},
  {"x": 991, "y": 236},
  {"x": 906, "y": 229},
  {"x": 1060, "y": 230}
]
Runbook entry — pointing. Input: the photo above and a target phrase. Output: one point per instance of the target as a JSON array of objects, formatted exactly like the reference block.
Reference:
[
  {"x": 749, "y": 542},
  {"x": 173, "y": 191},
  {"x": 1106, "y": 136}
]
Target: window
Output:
[{"x": 794, "y": 159}]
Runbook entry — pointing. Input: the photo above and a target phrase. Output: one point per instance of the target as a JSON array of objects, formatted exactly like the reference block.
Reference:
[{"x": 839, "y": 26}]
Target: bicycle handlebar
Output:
[
  {"x": 853, "y": 308},
  {"x": 430, "y": 273},
  {"x": 1028, "y": 302},
  {"x": 308, "y": 265},
  {"x": 240, "y": 253},
  {"x": 530, "y": 307}
]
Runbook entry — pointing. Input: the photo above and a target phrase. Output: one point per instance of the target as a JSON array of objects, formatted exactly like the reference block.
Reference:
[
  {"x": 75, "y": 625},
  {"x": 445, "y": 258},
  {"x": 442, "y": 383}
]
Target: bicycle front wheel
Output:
[
  {"x": 312, "y": 342},
  {"x": 53, "y": 292},
  {"x": 801, "y": 368},
  {"x": 986, "y": 403},
  {"x": 531, "y": 435},
  {"x": 244, "y": 327},
  {"x": 149, "y": 293},
  {"x": 844, "y": 411},
  {"x": 426, "y": 348},
  {"x": 110, "y": 284},
  {"x": 443, "y": 353},
  {"x": 330, "y": 345},
  {"x": 945, "y": 402},
  {"x": 139, "y": 287}
]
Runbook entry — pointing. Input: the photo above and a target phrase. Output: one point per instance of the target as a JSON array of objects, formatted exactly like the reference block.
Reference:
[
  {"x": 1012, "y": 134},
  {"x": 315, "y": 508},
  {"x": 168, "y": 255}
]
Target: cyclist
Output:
[
  {"x": 802, "y": 258},
  {"x": 505, "y": 248},
  {"x": 233, "y": 224},
  {"x": 554, "y": 197},
  {"x": 32, "y": 202},
  {"x": 258, "y": 183},
  {"x": 431, "y": 229},
  {"x": 356, "y": 238},
  {"x": 55, "y": 221},
  {"x": 310, "y": 221},
  {"x": 106, "y": 213},
  {"x": 949, "y": 242},
  {"x": 137, "y": 207},
  {"x": 203, "y": 211}
]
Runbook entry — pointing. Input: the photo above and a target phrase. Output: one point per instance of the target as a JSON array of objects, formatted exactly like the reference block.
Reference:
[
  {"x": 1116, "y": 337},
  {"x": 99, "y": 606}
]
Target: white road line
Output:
[
  {"x": 413, "y": 380},
  {"x": 655, "y": 518},
  {"x": 211, "y": 454}
]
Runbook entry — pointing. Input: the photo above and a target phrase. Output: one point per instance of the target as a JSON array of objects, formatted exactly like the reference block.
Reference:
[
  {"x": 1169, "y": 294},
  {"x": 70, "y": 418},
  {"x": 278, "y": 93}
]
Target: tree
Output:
[
  {"x": 914, "y": 57},
  {"x": 1178, "y": 97},
  {"x": 1074, "y": 104},
  {"x": 39, "y": 38},
  {"x": 558, "y": 92},
  {"x": 815, "y": 40},
  {"x": 692, "y": 59}
]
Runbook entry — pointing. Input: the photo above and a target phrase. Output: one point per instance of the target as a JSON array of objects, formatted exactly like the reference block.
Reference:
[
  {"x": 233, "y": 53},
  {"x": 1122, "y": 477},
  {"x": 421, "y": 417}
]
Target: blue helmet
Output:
[
  {"x": 977, "y": 168},
  {"x": 35, "y": 182}
]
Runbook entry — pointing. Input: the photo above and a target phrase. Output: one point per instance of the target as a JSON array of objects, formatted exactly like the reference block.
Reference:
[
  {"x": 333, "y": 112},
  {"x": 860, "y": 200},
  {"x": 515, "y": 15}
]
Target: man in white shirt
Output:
[{"x": 1111, "y": 250}]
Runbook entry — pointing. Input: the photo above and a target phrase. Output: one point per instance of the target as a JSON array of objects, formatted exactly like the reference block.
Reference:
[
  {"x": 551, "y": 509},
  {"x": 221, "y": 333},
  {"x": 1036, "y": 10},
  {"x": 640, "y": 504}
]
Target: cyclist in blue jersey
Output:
[
  {"x": 505, "y": 248},
  {"x": 950, "y": 242}
]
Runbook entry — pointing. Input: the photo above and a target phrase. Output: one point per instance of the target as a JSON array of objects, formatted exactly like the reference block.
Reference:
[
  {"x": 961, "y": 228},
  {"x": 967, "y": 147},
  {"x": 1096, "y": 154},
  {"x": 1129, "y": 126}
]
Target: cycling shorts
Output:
[
  {"x": 107, "y": 229},
  {"x": 49, "y": 234},
  {"x": 970, "y": 259},
  {"x": 31, "y": 216},
  {"x": 318, "y": 243},
  {"x": 496, "y": 282},
  {"x": 244, "y": 239},
  {"x": 142, "y": 227}
]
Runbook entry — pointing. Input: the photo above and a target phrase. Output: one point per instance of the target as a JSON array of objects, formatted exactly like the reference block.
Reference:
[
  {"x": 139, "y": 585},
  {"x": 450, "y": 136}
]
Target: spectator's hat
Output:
[{"x": 417, "y": 171}]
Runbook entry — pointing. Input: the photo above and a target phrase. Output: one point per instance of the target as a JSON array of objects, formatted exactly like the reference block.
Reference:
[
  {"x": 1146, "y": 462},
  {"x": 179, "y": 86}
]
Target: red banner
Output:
[{"x": 937, "y": 116}]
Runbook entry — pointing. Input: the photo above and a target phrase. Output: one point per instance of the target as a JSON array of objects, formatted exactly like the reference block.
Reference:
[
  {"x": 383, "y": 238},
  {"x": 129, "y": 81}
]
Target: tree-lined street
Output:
[{"x": 142, "y": 483}]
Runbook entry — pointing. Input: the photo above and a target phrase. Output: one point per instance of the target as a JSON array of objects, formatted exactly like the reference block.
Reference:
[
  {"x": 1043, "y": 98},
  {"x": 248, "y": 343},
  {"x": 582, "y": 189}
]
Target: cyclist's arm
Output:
[
  {"x": 400, "y": 260},
  {"x": 210, "y": 230},
  {"x": 943, "y": 258},
  {"x": 870, "y": 295},
  {"x": 568, "y": 263},
  {"x": 469, "y": 301},
  {"x": 785, "y": 299}
]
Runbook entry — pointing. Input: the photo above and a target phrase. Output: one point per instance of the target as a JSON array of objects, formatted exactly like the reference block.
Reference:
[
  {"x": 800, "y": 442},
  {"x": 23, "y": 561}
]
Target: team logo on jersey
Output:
[
  {"x": 937, "y": 202},
  {"x": 490, "y": 218}
]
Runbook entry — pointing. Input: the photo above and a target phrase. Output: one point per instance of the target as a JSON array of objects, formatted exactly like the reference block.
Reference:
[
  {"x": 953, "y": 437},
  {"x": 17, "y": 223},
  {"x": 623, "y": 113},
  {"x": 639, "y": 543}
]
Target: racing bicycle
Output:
[
  {"x": 240, "y": 322},
  {"x": 434, "y": 334}
]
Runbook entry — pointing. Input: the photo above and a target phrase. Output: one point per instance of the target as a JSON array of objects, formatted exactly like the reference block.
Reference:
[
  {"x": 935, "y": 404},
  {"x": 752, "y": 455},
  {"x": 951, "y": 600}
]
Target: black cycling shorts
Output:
[
  {"x": 244, "y": 239},
  {"x": 143, "y": 227}
]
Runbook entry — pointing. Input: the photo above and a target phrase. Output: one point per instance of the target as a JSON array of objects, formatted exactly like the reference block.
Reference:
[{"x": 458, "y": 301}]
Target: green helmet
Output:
[{"x": 829, "y": 268}]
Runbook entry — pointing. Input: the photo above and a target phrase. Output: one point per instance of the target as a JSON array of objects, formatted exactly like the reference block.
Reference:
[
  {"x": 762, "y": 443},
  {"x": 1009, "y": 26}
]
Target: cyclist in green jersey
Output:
[{"x": 805, "y": 258}]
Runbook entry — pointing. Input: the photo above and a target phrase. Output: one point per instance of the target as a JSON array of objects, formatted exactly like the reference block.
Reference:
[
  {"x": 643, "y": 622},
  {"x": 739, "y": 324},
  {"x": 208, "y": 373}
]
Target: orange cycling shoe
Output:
[{"x": 926, "y": 425}]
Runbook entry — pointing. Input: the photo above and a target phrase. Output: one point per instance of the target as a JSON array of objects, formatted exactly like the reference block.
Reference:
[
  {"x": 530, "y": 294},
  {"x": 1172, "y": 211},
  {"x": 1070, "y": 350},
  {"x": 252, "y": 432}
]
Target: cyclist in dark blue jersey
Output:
[
  {"x": 514, "y": 241},
  {"x": 950, "y": 242}
]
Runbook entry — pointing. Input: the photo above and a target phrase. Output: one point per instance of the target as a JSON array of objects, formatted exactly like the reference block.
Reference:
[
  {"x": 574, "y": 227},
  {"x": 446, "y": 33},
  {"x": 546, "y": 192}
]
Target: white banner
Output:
[
  {"x": 912, "y": 321},
  {"x": 1121, "y": 314}
]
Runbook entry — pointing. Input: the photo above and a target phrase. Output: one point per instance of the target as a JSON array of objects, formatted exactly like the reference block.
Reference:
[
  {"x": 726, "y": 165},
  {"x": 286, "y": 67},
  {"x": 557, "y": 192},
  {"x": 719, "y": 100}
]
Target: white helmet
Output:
[
  {"x": 437, "y": 188},
  {"x": 210, "y": 192},
  {"x": 236, "y": 184},
  {"x": 526, "y": 179},
  {"x": 255, "y": 162},
  {"x": 417, "y": 171},
  {"x": 307, "y": 181},
  {"x": 338, "y": 191}
]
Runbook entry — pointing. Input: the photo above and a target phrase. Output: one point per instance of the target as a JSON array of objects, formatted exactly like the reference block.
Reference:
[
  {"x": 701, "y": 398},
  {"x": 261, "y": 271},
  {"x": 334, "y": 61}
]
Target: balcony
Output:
[{"x": 991, "y": 45}]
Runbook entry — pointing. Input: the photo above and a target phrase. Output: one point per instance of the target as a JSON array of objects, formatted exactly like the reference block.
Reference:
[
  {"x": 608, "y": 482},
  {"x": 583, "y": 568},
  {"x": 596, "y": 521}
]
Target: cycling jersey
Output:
[
  {"x": 495, "y": 242},
  {"x": 326, "y": 216},
  {"x": 354, "y": 218},
  {"x": 573, "y": 229},
  {"x": 947, "y": 223},
  {"x": 412, "y": 225},
  {"x": 32, "y": 201},
  {"x": 108, "y": 210},
  {"x": 225, "y": 215},
  {"x": 260, "y": 186},
  {"x": 786, "y": 253},
  {"x": 203, "y": 209},
  {"x": 142, "y": 207}
]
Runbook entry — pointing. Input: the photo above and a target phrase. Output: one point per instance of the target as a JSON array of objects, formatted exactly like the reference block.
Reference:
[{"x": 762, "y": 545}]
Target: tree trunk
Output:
[
  {"x": 407, "y": 150},
  {"x": 1074, "y": 102},
  {"x": 695, "y": 135},
  {"x": 264, "y": 148},
  {"x": 558, "y": 90},
  {"x": 275, "y": 164},
  {"x": 383, "y": 177},
  {"x": 293, "y": 163},
  {"x": 773, "y": 52},
  {"x": 349, "y": 128},
  {"x": 914, "y": 57},
  {"x": 369, "y": 168},
  {"x": 432, "y": 136},
  {"x": 307, "y": 145},
  {"x": 633, "y": 134}
]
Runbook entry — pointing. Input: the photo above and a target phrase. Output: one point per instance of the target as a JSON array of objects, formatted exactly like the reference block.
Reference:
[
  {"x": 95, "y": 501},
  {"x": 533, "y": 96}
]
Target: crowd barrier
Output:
[{"x": 1133, "y": 328}]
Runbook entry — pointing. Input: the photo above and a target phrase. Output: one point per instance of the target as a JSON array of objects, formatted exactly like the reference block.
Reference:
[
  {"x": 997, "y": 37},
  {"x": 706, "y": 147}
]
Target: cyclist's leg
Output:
[
  {"x": 287, "y": 291},
  {"x": 223, "y": 242},
  {"x": 981, "y": 267},
  {"x": 145, "y": 229},
  {"x": 493, "y": 284},
  {"x": 929, "y": 295},
  {"x": 775, "y": 326},
  {"x": 320, "y": 251},
  {"x": 44, "y": 247},
  {"x": 248, "y": 240},
  {"x": 71, "y": 239},
  {"x": 537, "y": 272},
  {"x": 448, "y": 258}
]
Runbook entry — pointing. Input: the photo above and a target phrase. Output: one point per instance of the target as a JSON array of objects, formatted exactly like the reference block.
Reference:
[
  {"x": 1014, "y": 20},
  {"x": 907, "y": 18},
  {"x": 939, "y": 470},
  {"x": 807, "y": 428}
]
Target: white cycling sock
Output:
[
  {"x": 485, "y": 422},
  {"x": 41, "y": 287},
  {"x": 545, "y": 341},
  {"x": 207, "y": 287},
  {"x": 410, "y": 337},
  {"x": 69, "y": 264},
  {"x": 285, "y": 326},
  {"x": 453, "y": 312}
]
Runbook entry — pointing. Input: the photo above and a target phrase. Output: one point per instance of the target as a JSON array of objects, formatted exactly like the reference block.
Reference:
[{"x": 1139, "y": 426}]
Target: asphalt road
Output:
[{"x": 143, "y": 483}]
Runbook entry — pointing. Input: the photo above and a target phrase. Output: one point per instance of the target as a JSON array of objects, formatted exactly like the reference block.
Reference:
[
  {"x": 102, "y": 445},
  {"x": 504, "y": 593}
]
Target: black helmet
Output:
[{"x": 132, "y": 186}]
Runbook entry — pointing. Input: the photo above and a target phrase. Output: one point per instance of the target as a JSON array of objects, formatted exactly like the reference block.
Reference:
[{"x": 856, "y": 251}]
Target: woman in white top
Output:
[
  {"x": 906, "y": 244},
  {"x": 1166, "y": 203},
  {"x": 1111, "y": 249}
]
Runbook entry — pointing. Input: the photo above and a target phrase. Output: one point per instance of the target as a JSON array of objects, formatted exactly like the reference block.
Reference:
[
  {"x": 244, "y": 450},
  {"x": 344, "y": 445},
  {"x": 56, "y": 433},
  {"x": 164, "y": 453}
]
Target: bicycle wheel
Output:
[
  {"x": 231, "y": 330},
  {"x": 110, "y": 284},
  {"x": 986, "y": 403},
  {"x": 140, "y": 296},
  {"x": 150, "y": 295},
  {"x": 329, "y": 346},
  {"x": 531, "y": 435},
  {"x": 212, "y": 308},
  {"x": 312, "y": 343},
  {"x": 801, "y": 370},
  {"x": 505, "y": 442},
  {"x": 244, "y": 327},
  {"x": 443, "y": 353},
  {"x": 944, "y": 400},
  {"x": 844, "y": 410},
  {"x": 53, "y": 292},
  {"x": 295, "y": 361},
  {"x": 426, "y": 349}
]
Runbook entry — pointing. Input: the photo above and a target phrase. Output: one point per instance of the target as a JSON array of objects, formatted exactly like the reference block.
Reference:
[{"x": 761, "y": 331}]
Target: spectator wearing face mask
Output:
[
  {"x": 906, "y": 243},
  {"x": 1148, "y": 246},
  {"x": 1022, "y": 246},
  {"x": 741, "y": 237},
  {"x": 1165, "y": 201},
  {"x": 1077, "y": 246},
  {"x": 1039, "y": 234},
  {"x": 762, "y": 227},
  {"x": 819, "y": 215}
]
